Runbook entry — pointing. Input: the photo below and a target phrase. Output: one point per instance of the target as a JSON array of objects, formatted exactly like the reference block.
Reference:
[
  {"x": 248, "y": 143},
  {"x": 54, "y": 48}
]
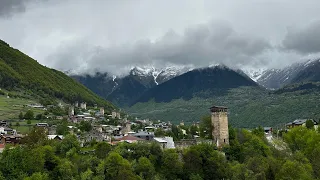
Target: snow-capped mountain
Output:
[
  {"x": 277, "y": 78},
  {"x": 254, "y": 74},
  {"x": 159, "y": 75}
]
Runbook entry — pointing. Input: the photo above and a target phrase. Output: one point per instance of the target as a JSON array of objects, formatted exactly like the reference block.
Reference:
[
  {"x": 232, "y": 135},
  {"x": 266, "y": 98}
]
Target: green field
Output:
[{"x": 11, "y": 107}]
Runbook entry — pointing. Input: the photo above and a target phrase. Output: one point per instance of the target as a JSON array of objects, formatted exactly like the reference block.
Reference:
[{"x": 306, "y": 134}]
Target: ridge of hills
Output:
[{"x": 21, "y": 73}]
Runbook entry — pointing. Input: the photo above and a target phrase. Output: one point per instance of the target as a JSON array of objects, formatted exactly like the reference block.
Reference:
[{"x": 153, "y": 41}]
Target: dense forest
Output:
[
  {"x": 249, "y": 156},
  {"x": 19, "y": 72}
]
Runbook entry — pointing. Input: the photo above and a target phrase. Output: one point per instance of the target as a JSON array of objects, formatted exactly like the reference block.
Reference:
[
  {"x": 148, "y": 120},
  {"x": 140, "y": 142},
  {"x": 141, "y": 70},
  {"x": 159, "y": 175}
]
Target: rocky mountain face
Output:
[{"x": 308, "y": 71}]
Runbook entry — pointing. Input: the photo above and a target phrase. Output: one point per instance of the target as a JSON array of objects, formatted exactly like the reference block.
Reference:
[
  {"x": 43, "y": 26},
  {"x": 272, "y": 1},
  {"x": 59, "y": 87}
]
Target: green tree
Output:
[
  {"x": 102, "y": 149},
  {"x": 17, "y": 124},
  {"x": 69, "y": 142},
  {"x": 28, "y": 121},
  {"x": 194, "y": 130},
  {"x": 159, "y": 132},
  {"x": 65, "y": 170},
  {"x": 85, "y": 126},
  {"x": 295, "y": 170},
  {"x": 172, "y": 167},
  {"x": 39, "y": 116},
  {"x": 62, "y": 128},
  {"x": 29, "y": 115},
  {"x": 309, "y": 124},
  {"x": 38, "y": 176},
  {"x": 145, "y": 168},
  {"x": 21, "y": 116},
  {"x": 206, "y": 127},
  {"x": 192, "y": 163},
  {"x": 115, "y": 167},
  {"x": 37, "y": 136},
  {"x": 87, "y": 175}
]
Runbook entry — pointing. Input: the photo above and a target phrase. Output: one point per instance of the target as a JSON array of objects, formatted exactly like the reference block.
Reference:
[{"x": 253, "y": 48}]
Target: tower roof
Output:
[{"x": 218, "y": 108}]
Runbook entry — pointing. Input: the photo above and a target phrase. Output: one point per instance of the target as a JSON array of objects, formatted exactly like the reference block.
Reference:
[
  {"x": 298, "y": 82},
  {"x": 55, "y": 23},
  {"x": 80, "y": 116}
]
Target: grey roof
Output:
[
  {"x": 302, "y": 121},
  {"x": 299, "y": 121},
  {"x": 144, "y": 133}
]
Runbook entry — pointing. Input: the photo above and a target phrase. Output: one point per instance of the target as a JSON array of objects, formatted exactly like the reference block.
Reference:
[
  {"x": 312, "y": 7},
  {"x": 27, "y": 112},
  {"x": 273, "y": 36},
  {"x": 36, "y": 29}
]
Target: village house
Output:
[
  {"x": 4, "y": 123},
  {"x": 10, "y": 139},
  {"x": 300, "y": 122},
  {"x": 42, "y": 125},
  {"x": 165, "y": 142},
  {"x": 144, "y": 135},
  {"x": 55, "y": 137},
  {"x": 6, "y": 130},
  {"x": 128, "y": 139}
]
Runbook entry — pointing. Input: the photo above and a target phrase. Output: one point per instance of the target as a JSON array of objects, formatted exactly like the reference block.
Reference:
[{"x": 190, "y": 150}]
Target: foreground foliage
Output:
[{"x": 249, "y": 156}]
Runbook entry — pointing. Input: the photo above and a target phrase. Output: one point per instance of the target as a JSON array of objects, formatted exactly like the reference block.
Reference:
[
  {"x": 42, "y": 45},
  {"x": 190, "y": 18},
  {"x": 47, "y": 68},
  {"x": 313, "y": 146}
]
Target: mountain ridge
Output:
[{"x": 21, "y": 72}]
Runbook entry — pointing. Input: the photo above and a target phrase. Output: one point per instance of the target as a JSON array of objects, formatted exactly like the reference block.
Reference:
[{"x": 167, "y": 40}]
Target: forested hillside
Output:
[
  {"x": 204, "y": 83},
  {"x": 248, "y": 107},
  {"x": 19, "y": 72}
]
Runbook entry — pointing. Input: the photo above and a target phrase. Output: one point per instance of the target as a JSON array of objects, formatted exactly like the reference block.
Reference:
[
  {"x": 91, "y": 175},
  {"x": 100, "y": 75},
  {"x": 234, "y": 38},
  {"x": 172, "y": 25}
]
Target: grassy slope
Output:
[
  {"x": 11, "y": 108},
  {"x": 248, "y": 107},
  {"x": 19, "y": 70}
]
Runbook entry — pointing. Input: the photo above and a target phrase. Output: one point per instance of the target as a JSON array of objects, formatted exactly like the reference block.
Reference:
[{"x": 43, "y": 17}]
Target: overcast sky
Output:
[{"x": 114, "y": 35}]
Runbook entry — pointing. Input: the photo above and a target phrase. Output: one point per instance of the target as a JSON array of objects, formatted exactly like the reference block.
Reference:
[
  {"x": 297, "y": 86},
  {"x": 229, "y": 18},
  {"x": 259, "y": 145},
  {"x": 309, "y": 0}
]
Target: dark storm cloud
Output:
[
  {"x": 304, "y": 40},
  {"x": 8, "y": 7},
  {"x": 85, "y": 35},
  {"x": 200, "y": 45}
]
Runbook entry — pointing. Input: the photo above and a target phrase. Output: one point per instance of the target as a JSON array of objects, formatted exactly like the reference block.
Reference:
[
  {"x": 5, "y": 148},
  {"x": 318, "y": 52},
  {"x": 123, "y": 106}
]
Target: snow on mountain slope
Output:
[
  {"x": 277, "y": 78},
  {"x": 159, "y": 75}
]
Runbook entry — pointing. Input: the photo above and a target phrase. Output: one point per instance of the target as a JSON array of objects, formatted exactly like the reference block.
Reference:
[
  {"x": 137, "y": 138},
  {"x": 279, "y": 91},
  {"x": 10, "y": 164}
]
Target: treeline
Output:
[
  {"x": 20, "y": 72},
  {"x": 249, "y": 156}
]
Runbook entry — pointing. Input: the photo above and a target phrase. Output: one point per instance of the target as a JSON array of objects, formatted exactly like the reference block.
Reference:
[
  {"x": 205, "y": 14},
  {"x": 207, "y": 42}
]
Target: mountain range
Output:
[
  {"x": 176, "y": 94},
  {"x": 127, "y": 90}
]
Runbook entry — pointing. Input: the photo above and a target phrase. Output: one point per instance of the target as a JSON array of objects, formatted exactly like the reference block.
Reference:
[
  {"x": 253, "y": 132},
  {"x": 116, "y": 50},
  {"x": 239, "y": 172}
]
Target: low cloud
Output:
[
  {"x": 305, "y": 40},
  {"x": 200, "y": 45},
  {"x": 86, "y": 36},
  {"x": 10, "y": 7}
]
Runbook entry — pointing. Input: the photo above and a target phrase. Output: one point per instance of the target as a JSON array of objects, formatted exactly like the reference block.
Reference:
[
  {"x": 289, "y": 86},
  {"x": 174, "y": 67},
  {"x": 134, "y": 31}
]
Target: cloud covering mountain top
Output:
[{"x": 87, "y": 36}]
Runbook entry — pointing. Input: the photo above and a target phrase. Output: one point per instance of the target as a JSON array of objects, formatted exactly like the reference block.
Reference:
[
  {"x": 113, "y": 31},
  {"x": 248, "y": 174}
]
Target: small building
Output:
[
  {"x": 113, "y": 114},
  {"x": 71, "y": 111},
  {"x": 118, "y": 115},
  {"x": 144, "y": 135},
  {"x": 6, "y": 130},
  {"x": 267, "y": 130},
  {"x": 42, "y": 125},
  {"x": 55, "y": 137},
  {"x": 300, "y": 122},
  {"x": 4, "y": 123},
  {"x": 10, "y": 139},
  {"x": 129, "y": 139},
  {"x": 83, "y": 105},
  {"x": 165, "y": 142},
  {"x": 102, "y": 111}
]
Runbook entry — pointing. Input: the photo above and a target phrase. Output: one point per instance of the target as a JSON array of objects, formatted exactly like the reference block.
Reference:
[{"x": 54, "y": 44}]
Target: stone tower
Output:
[
  {"x": 71, "y": 111},
  {"x": 219, "y": 121},
  {"x": 102, "y": 111}
]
